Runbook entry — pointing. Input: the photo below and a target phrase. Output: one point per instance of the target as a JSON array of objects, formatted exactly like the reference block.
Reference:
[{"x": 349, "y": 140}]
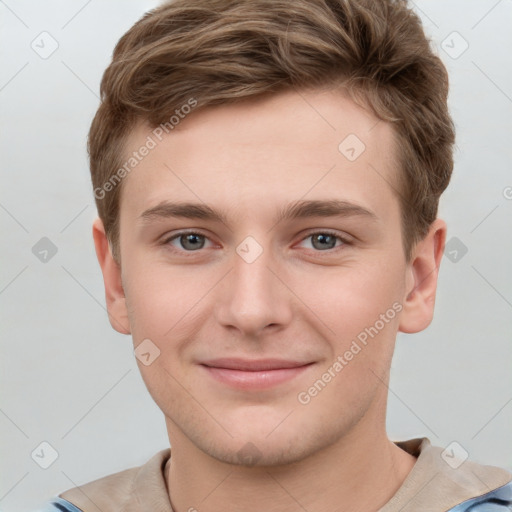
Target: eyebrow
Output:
[{"x": 297, "y": 210}]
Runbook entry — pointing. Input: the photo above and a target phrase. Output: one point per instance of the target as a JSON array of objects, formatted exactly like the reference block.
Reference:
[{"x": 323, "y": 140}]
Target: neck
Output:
[{"x": 361, "y": 471}]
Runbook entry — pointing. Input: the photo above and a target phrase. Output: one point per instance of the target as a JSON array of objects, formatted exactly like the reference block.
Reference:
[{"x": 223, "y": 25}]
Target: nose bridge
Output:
[
  {"x": 251, "y": 274},
  {"x": 253, "y": 298}
]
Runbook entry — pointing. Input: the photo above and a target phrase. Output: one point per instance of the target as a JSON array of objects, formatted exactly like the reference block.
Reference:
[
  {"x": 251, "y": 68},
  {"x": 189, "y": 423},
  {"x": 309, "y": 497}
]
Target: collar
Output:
[{"x": 432, "y": 484}]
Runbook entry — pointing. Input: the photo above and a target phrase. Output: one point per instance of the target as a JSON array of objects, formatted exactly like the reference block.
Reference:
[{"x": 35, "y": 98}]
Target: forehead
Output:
[{"x": 275, "y": 149}]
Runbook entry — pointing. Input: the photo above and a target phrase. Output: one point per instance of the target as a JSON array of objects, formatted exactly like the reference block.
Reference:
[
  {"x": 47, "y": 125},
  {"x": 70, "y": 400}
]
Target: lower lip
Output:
[{"x": 254, "y": 380}]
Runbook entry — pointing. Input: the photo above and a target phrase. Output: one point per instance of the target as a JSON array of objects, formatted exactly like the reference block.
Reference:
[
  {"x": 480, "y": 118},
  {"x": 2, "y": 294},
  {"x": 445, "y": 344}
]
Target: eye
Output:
[
  {"x": 191, "y": 241},
  {"x": 188, "y": 241},
  {"x": 326, "y": 240}
]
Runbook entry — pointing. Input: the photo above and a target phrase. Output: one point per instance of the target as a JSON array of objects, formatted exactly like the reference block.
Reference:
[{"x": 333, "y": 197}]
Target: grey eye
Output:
[
  {"x": 192, "y": 241},
  {"x": 323, "y": 241}
]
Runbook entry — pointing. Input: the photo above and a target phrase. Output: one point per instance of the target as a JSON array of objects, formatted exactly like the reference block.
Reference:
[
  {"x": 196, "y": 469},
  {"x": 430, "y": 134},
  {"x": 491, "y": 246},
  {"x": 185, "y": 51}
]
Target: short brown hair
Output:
[{"x": 222, "y": 51}]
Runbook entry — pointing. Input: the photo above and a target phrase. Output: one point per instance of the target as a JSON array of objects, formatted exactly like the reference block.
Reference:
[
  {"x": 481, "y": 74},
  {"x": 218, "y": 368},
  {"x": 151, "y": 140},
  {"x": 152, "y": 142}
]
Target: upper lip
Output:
[{"x": 253, "y": 365}]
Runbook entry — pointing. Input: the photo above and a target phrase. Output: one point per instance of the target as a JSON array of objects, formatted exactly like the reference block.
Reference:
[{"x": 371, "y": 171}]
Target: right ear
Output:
[{"x": 114, "y": 292}]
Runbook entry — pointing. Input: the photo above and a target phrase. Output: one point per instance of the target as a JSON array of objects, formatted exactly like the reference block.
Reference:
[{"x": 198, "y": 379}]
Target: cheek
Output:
[
  {"x": 350, "y": 299},
  {"x": 165, "y": 302}
]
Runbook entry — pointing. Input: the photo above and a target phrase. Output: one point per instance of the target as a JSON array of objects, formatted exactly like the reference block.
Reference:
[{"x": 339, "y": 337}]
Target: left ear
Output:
[{"x": 421, "y": 280}]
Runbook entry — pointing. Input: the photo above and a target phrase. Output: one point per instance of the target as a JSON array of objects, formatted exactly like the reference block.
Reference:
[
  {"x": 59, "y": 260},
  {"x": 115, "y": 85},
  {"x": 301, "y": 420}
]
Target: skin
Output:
[{"x": 298, "y": 300}]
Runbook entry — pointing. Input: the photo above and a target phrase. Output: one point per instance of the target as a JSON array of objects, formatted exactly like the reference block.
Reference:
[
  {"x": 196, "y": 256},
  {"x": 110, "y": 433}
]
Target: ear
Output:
[
  {"x": 421, "y": 280},
  {"x": 114, "y": 293}
]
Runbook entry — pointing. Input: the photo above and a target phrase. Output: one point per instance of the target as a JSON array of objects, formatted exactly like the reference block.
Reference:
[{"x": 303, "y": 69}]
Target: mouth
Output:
[{"x": 254, "y": 374}]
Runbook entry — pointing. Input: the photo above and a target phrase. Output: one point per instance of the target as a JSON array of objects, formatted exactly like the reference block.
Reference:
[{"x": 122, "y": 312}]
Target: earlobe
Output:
[
  {"x": 114, "y": 292},
  {"x": 421, "y": 280}
]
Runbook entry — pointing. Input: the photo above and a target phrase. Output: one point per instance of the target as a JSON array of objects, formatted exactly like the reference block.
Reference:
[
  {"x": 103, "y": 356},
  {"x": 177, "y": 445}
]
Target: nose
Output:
[{"x": 254, "y": 297}]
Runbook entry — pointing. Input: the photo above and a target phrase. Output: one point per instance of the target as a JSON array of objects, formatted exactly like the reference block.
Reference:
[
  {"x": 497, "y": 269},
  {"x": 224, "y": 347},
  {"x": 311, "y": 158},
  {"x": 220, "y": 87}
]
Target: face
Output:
[{"x": 263, "y": 270}]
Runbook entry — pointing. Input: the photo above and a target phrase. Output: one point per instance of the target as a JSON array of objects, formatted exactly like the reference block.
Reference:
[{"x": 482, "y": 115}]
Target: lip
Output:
[{"x": 254, "y": 374}]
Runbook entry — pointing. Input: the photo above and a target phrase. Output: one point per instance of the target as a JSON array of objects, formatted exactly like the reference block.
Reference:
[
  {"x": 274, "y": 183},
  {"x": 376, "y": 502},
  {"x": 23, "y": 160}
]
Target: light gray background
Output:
[{"x": 69, "y": 379}]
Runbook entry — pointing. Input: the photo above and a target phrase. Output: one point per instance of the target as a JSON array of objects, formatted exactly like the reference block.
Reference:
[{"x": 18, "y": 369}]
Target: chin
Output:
[
  {"x": 267, "y": 445},
  {"x": 259, "y": 453}
]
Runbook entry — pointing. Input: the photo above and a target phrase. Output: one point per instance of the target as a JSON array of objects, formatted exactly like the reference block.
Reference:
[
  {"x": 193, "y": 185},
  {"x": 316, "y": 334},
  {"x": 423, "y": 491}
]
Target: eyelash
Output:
[{"x": 345, "y": 241}]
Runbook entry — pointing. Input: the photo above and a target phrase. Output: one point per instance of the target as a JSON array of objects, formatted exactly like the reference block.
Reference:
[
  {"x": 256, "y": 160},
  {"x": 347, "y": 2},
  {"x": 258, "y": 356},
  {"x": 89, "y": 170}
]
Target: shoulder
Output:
[
  {"x": 497, "y": 500},
  {"x": 106, "y": 491},
  {"x": 118, "y": 490},
  {"x": 58, "y": 505},
  {"x": 447, "y": 479}
]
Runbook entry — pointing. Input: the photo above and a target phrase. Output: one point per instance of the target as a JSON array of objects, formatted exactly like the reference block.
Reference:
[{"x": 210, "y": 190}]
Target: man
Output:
[{"x": 267, "y": 176}]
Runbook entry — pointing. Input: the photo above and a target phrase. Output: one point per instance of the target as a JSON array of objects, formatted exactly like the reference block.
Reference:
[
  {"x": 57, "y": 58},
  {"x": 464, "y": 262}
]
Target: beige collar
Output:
[{"x": 431, "y": 485}]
